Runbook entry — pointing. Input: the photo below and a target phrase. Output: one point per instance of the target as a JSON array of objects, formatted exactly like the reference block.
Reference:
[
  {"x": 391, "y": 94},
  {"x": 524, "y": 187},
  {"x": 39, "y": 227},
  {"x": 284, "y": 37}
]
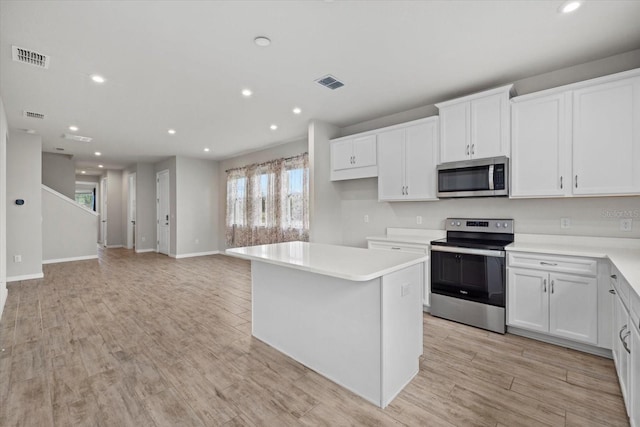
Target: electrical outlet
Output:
[
  {"x": 419, "y": 220},
  {"x": 626, "y": 224},
  {"x": 144, "y": 239},
  {"x": 405, "y": 289},
  {"x": 17, "y": 258},
  {"x": 565, "y": 222},
  {"x": 366, "y": 218}
]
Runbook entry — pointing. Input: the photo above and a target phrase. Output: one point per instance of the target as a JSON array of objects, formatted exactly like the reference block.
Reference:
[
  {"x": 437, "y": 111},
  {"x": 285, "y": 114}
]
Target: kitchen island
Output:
[{"x": 353, "y": 315}]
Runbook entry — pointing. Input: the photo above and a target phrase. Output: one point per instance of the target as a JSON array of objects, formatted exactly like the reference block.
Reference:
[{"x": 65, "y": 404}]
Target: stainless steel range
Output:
[{"x": 468, "y": 272}]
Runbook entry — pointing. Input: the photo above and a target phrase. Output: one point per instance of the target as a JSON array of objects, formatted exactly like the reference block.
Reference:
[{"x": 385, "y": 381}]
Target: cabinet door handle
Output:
[
  {"x": 614, "y": 276},
  {"x": 544, "y": 283},
  {"x": 561, "y": 183},
  {"x": 553, "y": 264},
  {"x": 612, "y": 291},
  {"x": 473, "y": 149},
  {"x": 552, "y": 283},
  {"x": 396, "y": 249},
  {"x": 621, "y": 331},
  {"x": 467, "y": 149},
  {"x": 623, "y": 338},
  {"x": 576, "y": 181},
  {"x": 406, "y": 190}
]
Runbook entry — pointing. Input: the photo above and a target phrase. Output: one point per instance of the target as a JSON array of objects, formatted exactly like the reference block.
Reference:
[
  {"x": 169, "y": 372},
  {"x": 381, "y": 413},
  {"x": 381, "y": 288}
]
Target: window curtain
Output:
[{"x": 268, "y": 202}]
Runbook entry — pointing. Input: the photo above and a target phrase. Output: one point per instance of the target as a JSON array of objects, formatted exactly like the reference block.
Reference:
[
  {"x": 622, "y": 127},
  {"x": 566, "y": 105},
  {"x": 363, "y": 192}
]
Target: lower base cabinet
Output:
[
  {"x": 634, "y": 376},
  {"x": 562, "y": 305}
]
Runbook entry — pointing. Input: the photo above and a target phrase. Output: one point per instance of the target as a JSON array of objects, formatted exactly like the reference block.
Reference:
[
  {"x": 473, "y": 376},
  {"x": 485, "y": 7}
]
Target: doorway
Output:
[
  {"x": 131, "y": 212},
  {"x": 162, "y": 211},
  {"x": 103, "y": 211}
]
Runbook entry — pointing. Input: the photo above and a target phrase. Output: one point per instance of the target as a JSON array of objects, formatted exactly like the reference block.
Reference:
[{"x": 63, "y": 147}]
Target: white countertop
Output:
[
  {"x": 409, "y": 235},
  {"x": 623, "y": 253},
  {"x": 343, "y": 262}
]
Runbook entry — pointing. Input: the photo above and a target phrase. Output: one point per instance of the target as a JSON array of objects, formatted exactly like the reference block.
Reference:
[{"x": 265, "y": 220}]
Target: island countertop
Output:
[{"x": 344, "y": 262}]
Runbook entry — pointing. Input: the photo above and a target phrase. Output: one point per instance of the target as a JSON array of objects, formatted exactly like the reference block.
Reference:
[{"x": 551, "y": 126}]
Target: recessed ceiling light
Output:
[
  {"x": 262, "y": 41},
  {"x": 97, "y": 153},
  {"x": 570, "y": 6},
  {"x": 206, "y": 150},
  {"x": 171, "y": 131},
  {"x": 83, "y": 172},
  {"x": 246, "y": 93},
  {"x": 100, "y": 166},
  {"x": 73, "y": 128},
  {"x": 273, "y": 127},
  {"x": 97, "y": 78},
  {"x": 297, "y": 110}
]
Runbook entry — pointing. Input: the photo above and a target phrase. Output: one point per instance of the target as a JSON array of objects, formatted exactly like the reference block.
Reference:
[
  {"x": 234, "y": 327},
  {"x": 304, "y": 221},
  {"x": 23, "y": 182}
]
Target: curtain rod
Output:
[{"x": 266, "y": 163}]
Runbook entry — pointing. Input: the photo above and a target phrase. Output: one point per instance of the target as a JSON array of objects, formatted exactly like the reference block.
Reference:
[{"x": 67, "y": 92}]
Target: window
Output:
[
  {"x": 85, "y": 199},
  {"x": 268, "y": 203}
]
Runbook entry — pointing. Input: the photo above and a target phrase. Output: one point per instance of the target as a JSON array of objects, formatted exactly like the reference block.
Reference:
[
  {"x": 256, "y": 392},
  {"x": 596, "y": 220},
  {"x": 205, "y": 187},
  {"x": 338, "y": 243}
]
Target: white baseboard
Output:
[
  {"x": 77, "y": 258},
  {"x": 194, "y": 254},
  {"x": 142, "y": 251},
  {"x": 114, "y": 246},
  {"x": 25, "y": 277}
]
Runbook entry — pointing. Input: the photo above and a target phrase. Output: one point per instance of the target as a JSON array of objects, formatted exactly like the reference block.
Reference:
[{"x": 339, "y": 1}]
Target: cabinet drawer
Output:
[
  {"x": 402, "y": 247},
  {"x": 553, "y": 263}
]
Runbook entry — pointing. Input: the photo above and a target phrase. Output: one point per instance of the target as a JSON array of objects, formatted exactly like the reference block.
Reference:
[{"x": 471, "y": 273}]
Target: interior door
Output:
[
  {"x": 103, "y": 212},
  {"x": 131, "y": 212},
  {"x": 163, "y": 213}
]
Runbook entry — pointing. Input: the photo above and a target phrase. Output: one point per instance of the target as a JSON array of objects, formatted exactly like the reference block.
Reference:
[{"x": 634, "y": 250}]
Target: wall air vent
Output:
[
  {"x": 33, "y": 115},
  {"x": 330, "y": 82},
  {"x": 26, "y": 56},
  {"x": 76, "y": 137}
]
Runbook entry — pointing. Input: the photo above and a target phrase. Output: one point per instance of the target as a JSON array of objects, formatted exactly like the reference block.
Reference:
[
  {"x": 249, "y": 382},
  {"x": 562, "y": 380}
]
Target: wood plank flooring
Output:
[{"x": 146, "y": 340}]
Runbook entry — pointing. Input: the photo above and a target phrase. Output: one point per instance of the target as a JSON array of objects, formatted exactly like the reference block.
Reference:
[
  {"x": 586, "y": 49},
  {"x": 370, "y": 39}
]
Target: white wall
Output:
[
  {"x": 275, "y": 152},
  {"x": 197, "y": 197},
  {"x": 170, "y": 165},
  {"x": 68, "y": 229},
  {"x": 4, "y": 131},
  {"x": 324, "y": 196},
  {"x": 24, "y": 223},
  {"x": 114, "y": 209},
  {"x": 589, "y": 216},
  {"x": 145, "y": 207},
  {"x": 59, "y": 173}
]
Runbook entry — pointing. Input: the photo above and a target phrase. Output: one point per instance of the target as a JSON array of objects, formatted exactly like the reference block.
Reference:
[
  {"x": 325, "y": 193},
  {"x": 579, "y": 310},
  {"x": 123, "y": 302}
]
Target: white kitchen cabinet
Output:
[
  {"x": 540, "y": 146},
  {"x": 527, "y": 299},
  {"x": 578, "y": 140},
  {"x": 354, "y": 157},
  {"x": 620, "y": 338},
  {"x": 407, "y": 161},
  {"x": 476, "y": 126},
  {"x": 634, "y": 375},
  {"x": 543, "y": 298},
  {"x": 606, "y": 138}
]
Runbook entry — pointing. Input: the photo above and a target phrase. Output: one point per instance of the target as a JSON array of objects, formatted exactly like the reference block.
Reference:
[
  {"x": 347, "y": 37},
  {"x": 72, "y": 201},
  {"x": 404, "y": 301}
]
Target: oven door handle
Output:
[{"x": 470, "y": 251}]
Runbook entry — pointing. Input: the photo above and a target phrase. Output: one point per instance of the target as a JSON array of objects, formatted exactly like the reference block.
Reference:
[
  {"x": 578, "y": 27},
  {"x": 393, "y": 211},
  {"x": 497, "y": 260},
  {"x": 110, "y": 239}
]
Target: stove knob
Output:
[
  {"x": 498, "y": 225},
  {"x": 458, "y": 223}
]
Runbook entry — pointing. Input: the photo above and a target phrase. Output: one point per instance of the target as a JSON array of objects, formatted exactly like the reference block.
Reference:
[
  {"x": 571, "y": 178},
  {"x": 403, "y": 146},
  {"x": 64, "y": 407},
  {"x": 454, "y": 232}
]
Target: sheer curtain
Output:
[{"x": 268, "y": 202}]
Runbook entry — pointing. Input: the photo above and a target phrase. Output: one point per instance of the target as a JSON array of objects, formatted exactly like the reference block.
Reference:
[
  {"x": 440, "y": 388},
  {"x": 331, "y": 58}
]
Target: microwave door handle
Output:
[{"x": 491, "y": 177}]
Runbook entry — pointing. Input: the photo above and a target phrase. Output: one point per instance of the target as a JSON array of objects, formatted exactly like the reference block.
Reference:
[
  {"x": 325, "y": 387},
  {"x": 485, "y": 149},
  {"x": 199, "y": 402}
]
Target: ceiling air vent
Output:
[
  {"x": 30, "y": 57},
  {"x": 77, "y": 137},
  {"x": 330, "y": 82},
  {"x": 33, "y": 115}
]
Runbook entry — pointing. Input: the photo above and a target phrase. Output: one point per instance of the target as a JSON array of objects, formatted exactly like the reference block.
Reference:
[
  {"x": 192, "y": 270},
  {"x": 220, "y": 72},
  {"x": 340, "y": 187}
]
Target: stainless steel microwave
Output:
[{"x": 474, "y": 178}]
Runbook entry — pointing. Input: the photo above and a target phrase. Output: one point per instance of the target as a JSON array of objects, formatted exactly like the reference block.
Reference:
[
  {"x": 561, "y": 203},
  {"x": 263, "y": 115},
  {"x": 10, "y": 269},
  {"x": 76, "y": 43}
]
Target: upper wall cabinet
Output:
[
  {"x": 579, "y": 140},
  {"x": 354, "y": 157},
  {"x": 476, "y": 126},
  {"x": 407, "y": 158}
]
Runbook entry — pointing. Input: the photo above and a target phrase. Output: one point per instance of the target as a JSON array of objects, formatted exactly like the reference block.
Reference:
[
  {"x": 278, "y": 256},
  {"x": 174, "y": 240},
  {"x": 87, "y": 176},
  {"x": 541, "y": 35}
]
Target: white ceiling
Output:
[{"x": 182, "y": 65}]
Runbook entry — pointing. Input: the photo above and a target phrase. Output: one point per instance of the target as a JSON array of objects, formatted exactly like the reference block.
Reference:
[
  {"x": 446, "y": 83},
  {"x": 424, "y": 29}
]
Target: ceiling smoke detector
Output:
[
  {"x": 30, "y": 57},
  {"x": 33, "y": 115},
  {"x": 76, "y": 137},
  {"x": 330, "y": 82}
]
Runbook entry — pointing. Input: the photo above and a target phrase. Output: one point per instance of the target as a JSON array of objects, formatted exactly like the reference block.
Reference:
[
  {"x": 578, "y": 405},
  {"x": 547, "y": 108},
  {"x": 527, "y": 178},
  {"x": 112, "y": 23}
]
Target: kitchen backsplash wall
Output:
[{"x": 592, "y": 216}]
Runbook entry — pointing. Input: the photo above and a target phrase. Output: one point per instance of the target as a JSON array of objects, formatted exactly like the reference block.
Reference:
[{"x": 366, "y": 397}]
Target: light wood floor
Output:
[{"x": 145, "y": 340}]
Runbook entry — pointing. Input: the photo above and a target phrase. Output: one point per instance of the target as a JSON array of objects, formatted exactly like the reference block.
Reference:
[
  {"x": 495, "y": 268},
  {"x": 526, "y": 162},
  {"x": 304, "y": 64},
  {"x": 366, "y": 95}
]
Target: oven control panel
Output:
[{"x": 480, "y": 225}]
